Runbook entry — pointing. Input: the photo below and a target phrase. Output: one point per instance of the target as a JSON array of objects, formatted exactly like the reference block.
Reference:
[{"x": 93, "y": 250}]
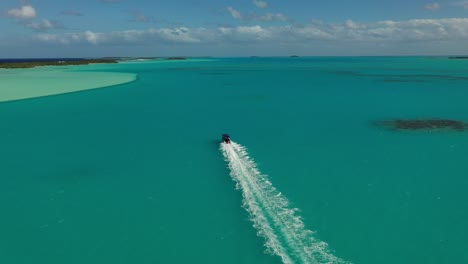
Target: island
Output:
[
  {"x": 176, "y": 58},
  {"x": 132, "y": 58},
  {"x": 32, "y": 64}
]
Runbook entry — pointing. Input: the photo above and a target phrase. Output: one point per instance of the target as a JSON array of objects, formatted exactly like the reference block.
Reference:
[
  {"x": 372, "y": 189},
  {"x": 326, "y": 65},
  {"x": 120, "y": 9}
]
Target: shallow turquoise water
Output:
[
  {"x": 134, "y": 174},
  {"x": 18, "y": 84}
]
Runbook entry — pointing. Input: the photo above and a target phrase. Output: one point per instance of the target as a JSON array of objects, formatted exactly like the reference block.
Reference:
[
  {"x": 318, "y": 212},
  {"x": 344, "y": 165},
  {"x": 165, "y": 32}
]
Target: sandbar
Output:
[{"x": 17, "y": 84}]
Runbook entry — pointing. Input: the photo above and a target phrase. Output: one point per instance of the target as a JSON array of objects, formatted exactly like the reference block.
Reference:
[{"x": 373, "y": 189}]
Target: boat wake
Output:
[{"x": 269, "y": 210}]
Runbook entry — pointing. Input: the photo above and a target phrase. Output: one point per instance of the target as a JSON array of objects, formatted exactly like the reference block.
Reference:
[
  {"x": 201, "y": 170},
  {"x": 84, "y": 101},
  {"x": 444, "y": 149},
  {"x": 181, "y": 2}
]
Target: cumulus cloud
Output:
[
  {"x": 272, "y": 17},
  {"x": 24, "y": 12},
  {"x": 92, "y": 37},
  {"x": 251, "y": 17},
  {"x": 234, "y": 13},
  {"x": 260, "y": 3},
  {"x": 382, "y": 32},
  {"x": 149, "y": 36},
  {"x": 242, "y": 34},
  {"x": 25, "y": 15},
  {"x": 463, "y": 4},
  {"x": 44, "y": 25},
  {"x": 432, "y": 6}
]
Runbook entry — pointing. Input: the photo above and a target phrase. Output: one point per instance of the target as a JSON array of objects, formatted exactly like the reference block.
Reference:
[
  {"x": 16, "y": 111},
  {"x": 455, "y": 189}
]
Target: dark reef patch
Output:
[
  {"x": 423, "y": 124},
  {"x": 421, "y": 77},
  {"x": 401, "y": 81},
  {"x": 215, "y": 73}
]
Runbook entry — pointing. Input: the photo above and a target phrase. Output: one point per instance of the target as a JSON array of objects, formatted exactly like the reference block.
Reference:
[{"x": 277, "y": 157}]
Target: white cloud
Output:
[
  {"x": 179, "y": 35},
  {"x": 92, "y": 37},
  {"x": 350, "y": 24},
  {"x": 44, "y": 25},
  {"x": 24, "y": 12},
  {"x": 432, "y": 6},
  {"x": 51, "y": 38},
  {"x": 463, "y": 4},
  {"x": 408, "y": 31},
  {"x": 266, "y": 17},
  {"x": 260, "y": 3},
  {"x": 272, "y": 17},
  {"x": 149, "y": 36},
  {"x": 234, "y": 13},
  {"x": 243, "y": 34}
]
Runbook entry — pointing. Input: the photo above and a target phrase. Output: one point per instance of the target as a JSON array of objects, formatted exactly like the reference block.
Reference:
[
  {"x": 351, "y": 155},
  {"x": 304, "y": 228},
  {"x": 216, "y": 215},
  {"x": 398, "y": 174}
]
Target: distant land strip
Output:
[
  {"x": 65, "y": 62},
  {"x": 32, "y": 64}
]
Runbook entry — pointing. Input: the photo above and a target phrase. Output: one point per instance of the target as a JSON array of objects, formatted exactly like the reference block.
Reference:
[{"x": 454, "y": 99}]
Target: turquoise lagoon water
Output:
[{"x": 134, "y": 173}]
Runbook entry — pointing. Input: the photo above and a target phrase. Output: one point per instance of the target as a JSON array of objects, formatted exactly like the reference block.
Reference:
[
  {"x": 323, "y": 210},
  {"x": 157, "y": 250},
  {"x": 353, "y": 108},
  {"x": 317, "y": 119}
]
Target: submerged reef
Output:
[
  {"x": 423, "y": 124},
  {"x": 403, "y": 77}
]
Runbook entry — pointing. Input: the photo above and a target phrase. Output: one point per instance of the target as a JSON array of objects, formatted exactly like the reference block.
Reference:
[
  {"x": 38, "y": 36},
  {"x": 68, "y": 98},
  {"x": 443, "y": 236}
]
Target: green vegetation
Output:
[
  {"x": 131, "y": 58},
  {"x": 18, "y": 65},
  {"x": 176, "y": 58}
]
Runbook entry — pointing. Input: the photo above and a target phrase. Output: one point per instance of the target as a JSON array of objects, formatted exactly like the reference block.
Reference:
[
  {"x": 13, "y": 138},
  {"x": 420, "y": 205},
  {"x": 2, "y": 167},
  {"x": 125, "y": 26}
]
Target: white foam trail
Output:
[{"x": 271, "y": 215}]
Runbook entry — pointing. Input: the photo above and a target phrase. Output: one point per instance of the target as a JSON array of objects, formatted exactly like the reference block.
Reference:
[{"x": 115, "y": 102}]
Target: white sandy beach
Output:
[{"x": 17, "y": 84}]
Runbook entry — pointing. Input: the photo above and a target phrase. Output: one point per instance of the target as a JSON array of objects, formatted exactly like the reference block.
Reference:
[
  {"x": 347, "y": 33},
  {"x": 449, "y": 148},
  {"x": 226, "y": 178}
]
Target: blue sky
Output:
[{"x": 88, "y": 28}]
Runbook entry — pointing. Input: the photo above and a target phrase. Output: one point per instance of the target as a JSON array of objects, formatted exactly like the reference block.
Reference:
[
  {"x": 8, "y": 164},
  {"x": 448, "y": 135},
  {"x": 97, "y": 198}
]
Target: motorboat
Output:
[{"x": 226, "y": 138}]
